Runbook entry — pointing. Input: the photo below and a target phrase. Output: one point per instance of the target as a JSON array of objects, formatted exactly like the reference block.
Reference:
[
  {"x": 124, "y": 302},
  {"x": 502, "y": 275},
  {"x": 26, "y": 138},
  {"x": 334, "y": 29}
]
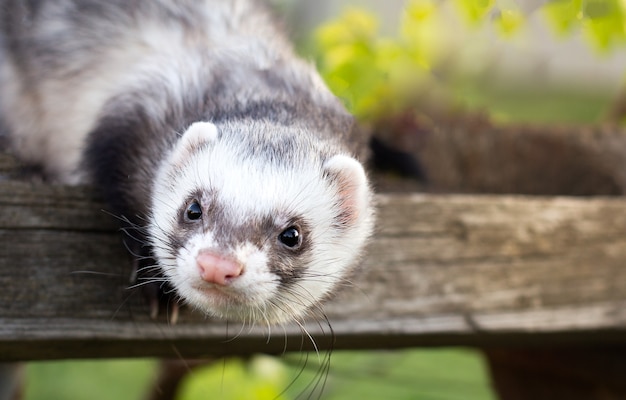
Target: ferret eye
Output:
[
  {"x": 290, "y": 237},
  {"x": 194, "y": 211}
]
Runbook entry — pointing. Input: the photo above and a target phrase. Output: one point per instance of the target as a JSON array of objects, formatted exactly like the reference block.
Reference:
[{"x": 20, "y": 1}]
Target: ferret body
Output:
[{"x": 201, "y": 128}]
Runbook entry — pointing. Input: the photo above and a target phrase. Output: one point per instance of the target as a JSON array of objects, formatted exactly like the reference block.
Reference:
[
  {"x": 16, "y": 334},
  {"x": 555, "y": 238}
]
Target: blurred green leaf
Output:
[
  {"x": 509, "y": 21},
  {"x": 604, "y": 23},
  {"x": 234, "y": 379},
  {"x": 371, "y": 73},
  {"x": 354, "y": 26},
  {"x": 563, "y": 15},
  {"x": 474, "y": 11}
]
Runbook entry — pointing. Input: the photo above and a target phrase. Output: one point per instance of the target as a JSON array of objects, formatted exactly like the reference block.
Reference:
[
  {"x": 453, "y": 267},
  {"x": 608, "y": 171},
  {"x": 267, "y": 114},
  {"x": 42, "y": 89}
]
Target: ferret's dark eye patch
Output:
[
  {"x": 194, "y": 211},
  {"x": 290, "y": 237}
]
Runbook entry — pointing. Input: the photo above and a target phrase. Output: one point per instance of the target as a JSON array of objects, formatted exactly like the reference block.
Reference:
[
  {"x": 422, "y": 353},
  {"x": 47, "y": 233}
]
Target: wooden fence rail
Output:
[{"x": 441, "y": 270}]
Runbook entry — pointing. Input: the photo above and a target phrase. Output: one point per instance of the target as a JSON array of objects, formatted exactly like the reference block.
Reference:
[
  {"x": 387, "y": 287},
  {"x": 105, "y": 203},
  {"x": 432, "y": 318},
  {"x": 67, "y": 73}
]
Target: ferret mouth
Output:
[
  {"x": 236, "y": 304},
  {"x": 221, "y": 294}
]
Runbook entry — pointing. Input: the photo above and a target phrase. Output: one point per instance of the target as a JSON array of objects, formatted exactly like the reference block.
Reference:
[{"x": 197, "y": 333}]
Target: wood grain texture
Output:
[{"x": 441, "y": 270}]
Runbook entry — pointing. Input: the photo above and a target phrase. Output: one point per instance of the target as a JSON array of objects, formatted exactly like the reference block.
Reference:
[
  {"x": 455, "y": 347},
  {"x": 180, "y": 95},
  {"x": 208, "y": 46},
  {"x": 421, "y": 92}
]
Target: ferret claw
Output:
[
  {"x": 154, "y": 307},
  {"x": 154, "y": 291},
  {"x": 159, "y": 301},
  {"x": 174, "y": 313},
  {"x": 133, "y": 271}
]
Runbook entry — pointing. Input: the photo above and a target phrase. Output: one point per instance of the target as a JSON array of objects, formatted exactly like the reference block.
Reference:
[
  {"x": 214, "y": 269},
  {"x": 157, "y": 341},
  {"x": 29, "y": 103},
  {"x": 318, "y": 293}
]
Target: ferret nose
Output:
[{"x": 217, "y": 269}]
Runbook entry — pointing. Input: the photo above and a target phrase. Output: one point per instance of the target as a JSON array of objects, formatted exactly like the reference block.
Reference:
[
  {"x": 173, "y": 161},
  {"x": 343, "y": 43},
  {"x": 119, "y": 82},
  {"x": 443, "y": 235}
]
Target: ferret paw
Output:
[
  {"x": 159, "y": 300},
  {"x": 159, "y": 296}
]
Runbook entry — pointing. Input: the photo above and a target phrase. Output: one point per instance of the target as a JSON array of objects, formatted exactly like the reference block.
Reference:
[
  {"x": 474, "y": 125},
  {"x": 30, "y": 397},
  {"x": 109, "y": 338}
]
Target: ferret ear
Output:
[
  {"x": 353, "y": 190},
  {"x": 197, "y": 135}
]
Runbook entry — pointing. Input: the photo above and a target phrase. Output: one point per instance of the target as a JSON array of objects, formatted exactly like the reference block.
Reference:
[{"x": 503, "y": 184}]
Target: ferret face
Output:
[{"x": 260, "y": 229}]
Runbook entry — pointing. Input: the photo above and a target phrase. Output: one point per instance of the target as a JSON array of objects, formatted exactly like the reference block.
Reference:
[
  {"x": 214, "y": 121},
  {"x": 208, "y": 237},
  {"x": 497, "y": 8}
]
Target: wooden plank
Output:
[{"x": 442, "y": 270}]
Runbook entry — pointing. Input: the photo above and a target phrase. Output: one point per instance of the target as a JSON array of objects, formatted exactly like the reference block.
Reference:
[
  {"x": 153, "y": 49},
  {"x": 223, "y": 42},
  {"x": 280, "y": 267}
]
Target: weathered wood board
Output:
[{"x": 441, "y": 270}]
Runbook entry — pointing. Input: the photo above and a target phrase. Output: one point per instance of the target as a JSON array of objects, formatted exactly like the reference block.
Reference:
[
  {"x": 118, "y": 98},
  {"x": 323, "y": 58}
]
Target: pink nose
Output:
[{"x": 217, "y": 269}]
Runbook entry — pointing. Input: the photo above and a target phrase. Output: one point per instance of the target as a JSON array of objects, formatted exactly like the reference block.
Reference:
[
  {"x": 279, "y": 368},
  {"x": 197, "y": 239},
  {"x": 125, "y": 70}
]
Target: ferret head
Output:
[{"x": 256, "y": 222}]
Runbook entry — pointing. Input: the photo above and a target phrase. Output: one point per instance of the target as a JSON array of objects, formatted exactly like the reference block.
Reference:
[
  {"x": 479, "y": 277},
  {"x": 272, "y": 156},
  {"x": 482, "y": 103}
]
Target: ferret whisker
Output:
[
  {"x": 322, "y": 373},
  {"x": 146, "y": 272},
  {"x": 119, "y": 308},
  {"x": 237, "y": 335},
  {"x": 298, "y": 296},
  {"x": 150, "y": 273},
  {"x": 303, "y": 356},
  {"x": 307, "y": 334},
  {"x": 145, "y": 283},
  {"x": 120, "y": 218},
  {"x": 149, "y": 268},
  {"x": 127, "y": 231},
  {"x": 132, "y": 252},
  {"x": 141, "y": 217},
  {"x": 311, "y": 387},
  {"x": 167, "y": 291},
  {"x": 99, "y": 273},
  {"x": 285, "y": 340}
]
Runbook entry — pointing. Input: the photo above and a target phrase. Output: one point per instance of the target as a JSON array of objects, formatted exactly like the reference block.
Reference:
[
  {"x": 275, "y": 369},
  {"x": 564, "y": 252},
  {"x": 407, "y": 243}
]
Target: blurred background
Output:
[
  {"x": 408, "y": 63},
  {"x": 484, "y": 55}
]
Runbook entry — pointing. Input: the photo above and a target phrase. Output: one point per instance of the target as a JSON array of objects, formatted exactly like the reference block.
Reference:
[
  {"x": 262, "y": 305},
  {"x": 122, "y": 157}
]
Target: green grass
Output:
[
  {"x": 447, "y": 373},
  {"x": 88, "y": 380},
  {"x": 440, "y": 374},
  {"x": 556, "y": 105}
]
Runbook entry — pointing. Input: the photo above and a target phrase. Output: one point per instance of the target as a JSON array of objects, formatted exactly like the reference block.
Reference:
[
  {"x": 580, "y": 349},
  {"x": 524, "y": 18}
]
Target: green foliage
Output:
[
  {"x": 415, "y": 68},
  {"x": 603, "y": 22},
  {"x": 262, "y": 378},
  {"x": 509, "y": 21},
  {"x": 374, "y": 74},
  {"x": 505, "y": 14},
  {"x": 564, "y": 15},
  {"x": 474, "y": 11},
  {"x": 377, "y": 75}
]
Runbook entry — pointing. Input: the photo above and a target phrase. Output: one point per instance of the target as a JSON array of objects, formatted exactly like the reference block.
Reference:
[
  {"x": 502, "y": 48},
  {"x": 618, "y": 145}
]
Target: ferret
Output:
[{"x": 234, "y": 168}]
